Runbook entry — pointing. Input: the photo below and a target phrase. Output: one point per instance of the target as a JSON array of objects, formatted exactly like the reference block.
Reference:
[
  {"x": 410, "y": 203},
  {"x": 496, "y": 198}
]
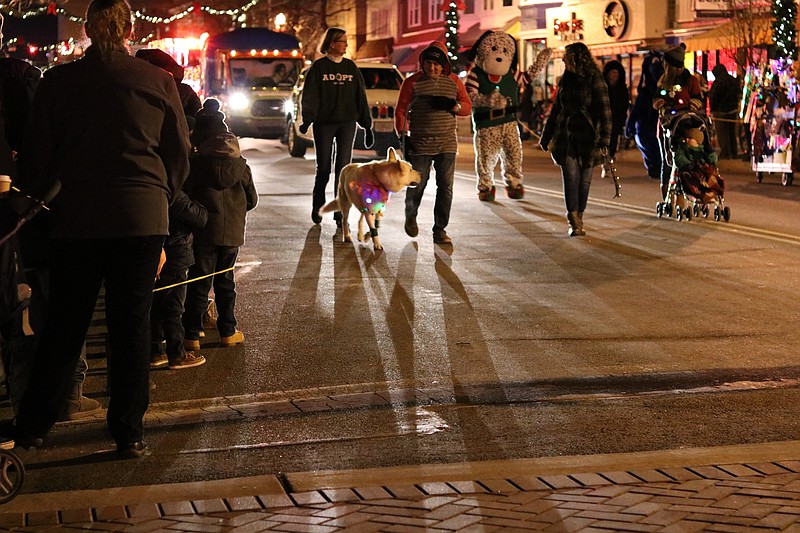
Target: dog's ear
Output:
[{"x": 391, "y": 155}]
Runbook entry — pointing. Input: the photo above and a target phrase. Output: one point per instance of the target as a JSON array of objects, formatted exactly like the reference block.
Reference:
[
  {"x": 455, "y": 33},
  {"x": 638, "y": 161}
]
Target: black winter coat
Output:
[
  {"x": 224, "y": 185},
  {"x": 725, "y": 93},
  {"x": 110, "y": 128}
]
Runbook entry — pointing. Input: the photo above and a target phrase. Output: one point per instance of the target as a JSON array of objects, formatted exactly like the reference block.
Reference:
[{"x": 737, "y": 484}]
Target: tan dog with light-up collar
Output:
[{"x": 367, "y": 187}]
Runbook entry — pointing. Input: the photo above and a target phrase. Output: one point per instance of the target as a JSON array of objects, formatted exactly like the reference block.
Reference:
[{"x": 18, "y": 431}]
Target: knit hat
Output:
[
  {"x": 696, "y": 134},
  {"x": 433, "y": 53},
  {"x": 162, "y": 60},
  {"x": 209, "y": 121},
  {"x": 674, "y": 56}
]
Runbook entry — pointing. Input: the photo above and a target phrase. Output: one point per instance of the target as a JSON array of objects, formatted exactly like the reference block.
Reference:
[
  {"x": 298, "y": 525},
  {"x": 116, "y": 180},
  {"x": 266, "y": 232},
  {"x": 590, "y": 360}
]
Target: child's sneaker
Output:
[
  {"x": 232, "y": 340},
  {"x": 189, "y": 360}
]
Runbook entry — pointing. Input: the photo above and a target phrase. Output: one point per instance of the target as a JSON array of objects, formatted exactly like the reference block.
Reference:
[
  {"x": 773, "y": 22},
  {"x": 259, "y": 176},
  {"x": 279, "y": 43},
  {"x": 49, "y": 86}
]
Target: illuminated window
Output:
[
  {"x": 435, "y": 13},
  {"x": 414, "y": 13}
]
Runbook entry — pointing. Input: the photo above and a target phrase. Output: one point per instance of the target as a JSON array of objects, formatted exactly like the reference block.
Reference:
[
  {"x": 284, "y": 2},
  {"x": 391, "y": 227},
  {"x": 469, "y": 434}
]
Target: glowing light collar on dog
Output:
[{"x": 373, "y": 195}]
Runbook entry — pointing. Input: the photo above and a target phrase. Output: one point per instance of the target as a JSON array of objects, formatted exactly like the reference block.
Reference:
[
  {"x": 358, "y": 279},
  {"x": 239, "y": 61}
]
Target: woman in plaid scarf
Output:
[{"x": 578, "y": 131}]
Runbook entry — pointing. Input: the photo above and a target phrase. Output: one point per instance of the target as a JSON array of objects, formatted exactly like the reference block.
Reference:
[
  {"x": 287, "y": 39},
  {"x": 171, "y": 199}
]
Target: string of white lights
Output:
[{"x": 33, "y": 12}]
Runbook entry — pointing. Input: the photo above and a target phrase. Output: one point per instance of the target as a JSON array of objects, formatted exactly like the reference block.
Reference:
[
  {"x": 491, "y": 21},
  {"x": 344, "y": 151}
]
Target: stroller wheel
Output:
[
  {"x": 668, "y": 209},
  {"x": 726, "y": 213},
  {"x": 688, "y": 214},
  {"x": 705, "y": 211},
  {"x": 659, "y": 209},
  {"x": 716, "y": 213},
  {"x": 679, "y": 214},
  {"x": 12, "y": 475}
]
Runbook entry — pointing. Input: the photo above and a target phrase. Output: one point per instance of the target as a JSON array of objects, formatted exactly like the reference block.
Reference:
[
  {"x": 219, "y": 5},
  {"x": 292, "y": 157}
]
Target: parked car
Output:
[{"x": 382, "y": 81}]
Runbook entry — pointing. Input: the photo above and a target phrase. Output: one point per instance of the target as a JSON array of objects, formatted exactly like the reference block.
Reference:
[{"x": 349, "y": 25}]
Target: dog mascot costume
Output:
[{"x": 493, "y": 85}]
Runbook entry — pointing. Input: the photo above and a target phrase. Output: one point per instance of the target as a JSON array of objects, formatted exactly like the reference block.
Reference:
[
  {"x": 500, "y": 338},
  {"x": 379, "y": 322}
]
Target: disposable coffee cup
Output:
[{"x": 5, "y": 184}]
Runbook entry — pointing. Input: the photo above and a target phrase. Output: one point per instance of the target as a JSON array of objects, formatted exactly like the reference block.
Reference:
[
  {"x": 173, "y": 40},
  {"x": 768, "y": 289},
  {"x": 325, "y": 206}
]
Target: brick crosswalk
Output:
[{"x": 762, "y": 496}]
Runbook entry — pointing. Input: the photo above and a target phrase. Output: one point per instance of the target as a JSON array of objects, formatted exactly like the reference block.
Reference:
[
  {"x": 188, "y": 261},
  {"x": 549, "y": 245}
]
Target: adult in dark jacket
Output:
[
  {"x": 221, "y": 180},
  {"x": 120, "y": 155},
  {"x": 334, "y": 100},
  {"x": 618, "y": 97},
  {"x": 578, "y": 130},
  {"x": 642, "y": 123},
  {"x": 678, "y": 92},
  {"x": 724, "y": 103},
  {"x": 189, "y": 100},
  {"x": 166, "y": 314}
]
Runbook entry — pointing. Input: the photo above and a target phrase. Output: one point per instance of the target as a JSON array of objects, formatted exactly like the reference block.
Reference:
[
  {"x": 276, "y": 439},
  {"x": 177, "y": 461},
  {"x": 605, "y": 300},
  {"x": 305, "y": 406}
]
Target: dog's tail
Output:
[{"x": 330, "y": 207}]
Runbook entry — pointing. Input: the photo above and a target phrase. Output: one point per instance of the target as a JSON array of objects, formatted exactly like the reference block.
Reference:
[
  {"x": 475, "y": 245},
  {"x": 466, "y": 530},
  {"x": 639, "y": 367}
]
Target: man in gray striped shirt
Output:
[{"x": 425, "y": 117}]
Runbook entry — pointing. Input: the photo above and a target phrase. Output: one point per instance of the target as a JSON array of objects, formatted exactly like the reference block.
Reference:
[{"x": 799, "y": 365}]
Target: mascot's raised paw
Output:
[{"x": 497, "y": 100}]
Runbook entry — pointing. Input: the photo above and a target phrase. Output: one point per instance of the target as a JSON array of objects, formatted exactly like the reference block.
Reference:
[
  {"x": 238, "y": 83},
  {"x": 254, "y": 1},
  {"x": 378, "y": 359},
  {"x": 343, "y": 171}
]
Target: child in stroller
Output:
[{"x": 695, "y": 178}]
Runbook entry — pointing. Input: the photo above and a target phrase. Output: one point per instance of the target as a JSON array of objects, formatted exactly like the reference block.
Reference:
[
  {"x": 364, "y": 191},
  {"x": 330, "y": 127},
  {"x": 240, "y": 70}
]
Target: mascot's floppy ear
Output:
[{"x": 473, "y": 52}]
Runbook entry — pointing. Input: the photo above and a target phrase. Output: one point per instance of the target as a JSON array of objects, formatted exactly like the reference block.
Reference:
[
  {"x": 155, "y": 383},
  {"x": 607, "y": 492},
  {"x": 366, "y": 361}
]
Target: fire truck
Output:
[{"x": 252, "y": 72}]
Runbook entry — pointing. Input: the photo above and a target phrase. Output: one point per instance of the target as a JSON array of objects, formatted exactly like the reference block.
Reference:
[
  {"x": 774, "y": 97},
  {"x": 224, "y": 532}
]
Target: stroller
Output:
[
  {"x": 695, "y": 185},
  {"x": 13, "y": 301}
]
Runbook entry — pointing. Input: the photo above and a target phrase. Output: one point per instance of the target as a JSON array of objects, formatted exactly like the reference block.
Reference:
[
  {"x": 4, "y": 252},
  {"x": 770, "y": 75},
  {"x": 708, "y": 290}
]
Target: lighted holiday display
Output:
[
  {"x": 784, "y": 13},
  {"x": 451, "y": 21}
]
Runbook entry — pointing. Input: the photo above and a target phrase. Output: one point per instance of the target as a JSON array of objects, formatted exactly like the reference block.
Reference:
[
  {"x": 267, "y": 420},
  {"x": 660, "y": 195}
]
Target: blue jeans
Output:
[
  {"x": 343, "y": 134},
  {"x": 577, "y": 182},
  {"x": 445, "y": 166}
]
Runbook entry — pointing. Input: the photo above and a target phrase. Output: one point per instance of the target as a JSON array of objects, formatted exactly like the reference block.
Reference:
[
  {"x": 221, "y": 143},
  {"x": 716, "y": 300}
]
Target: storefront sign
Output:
[
  {"x": 615, "y": 19},
  {"x": 568, "y": 30}
]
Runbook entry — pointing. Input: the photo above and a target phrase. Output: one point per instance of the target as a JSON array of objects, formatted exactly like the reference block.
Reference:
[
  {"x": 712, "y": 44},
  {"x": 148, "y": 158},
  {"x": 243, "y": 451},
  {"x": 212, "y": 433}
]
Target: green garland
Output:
[
  {"x": 784, "y": 36},
  {"x": 451, "y": 19}
]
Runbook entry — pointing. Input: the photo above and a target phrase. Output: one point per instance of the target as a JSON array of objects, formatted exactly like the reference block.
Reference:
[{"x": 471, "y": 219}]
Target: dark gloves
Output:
[
  {"x": 442, "y": 102},
  {"x": 304, "y": 128},
  {"x": 369, "y": 138}
]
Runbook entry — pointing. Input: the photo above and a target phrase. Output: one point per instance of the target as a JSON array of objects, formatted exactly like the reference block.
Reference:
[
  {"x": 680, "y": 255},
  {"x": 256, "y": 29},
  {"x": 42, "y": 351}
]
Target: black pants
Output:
[
  {"x": 444, "y": 165},
  {"x": 209, "y": 259},
  {"x": 343, "y": 134},
  {"x": 78, "y": 268},
  {"x": 167, "y": 313},
  {"x": 23, "y": 347},
  {"x": 726, "y": 134}
]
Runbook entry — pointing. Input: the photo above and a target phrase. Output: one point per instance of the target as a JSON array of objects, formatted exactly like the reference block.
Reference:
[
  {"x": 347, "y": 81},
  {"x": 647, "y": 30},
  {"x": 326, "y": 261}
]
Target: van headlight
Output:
[{"x": 238, "y": 101}]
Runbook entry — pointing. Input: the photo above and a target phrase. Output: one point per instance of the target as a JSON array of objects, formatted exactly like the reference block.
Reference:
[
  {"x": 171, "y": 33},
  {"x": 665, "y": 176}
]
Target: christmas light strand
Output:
[
  {"x": 138, "y": 15},
  {"x": 451, "y": 23}
]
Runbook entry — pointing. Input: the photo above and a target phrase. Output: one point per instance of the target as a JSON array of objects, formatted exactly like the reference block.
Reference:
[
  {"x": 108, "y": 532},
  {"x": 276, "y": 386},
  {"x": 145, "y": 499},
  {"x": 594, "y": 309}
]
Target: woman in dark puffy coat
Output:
[
  {"x": 643, "y": 120},
  {"x": 578, "y": 130},
  {"x": 618, "y": 97},
  {"x": 221, "y": 180}
]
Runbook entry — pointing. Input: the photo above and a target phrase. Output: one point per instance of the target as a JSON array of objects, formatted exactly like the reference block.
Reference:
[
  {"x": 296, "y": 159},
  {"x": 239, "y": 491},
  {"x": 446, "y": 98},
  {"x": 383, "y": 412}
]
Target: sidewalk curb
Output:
[
  {"x": 547, "y": 466},
  {"x": 269, "y": 488}
]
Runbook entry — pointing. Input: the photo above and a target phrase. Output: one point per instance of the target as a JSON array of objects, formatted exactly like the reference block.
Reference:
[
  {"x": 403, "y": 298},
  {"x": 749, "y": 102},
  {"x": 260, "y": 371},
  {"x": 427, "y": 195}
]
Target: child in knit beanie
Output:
[{"x": 221, "y": 180}]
